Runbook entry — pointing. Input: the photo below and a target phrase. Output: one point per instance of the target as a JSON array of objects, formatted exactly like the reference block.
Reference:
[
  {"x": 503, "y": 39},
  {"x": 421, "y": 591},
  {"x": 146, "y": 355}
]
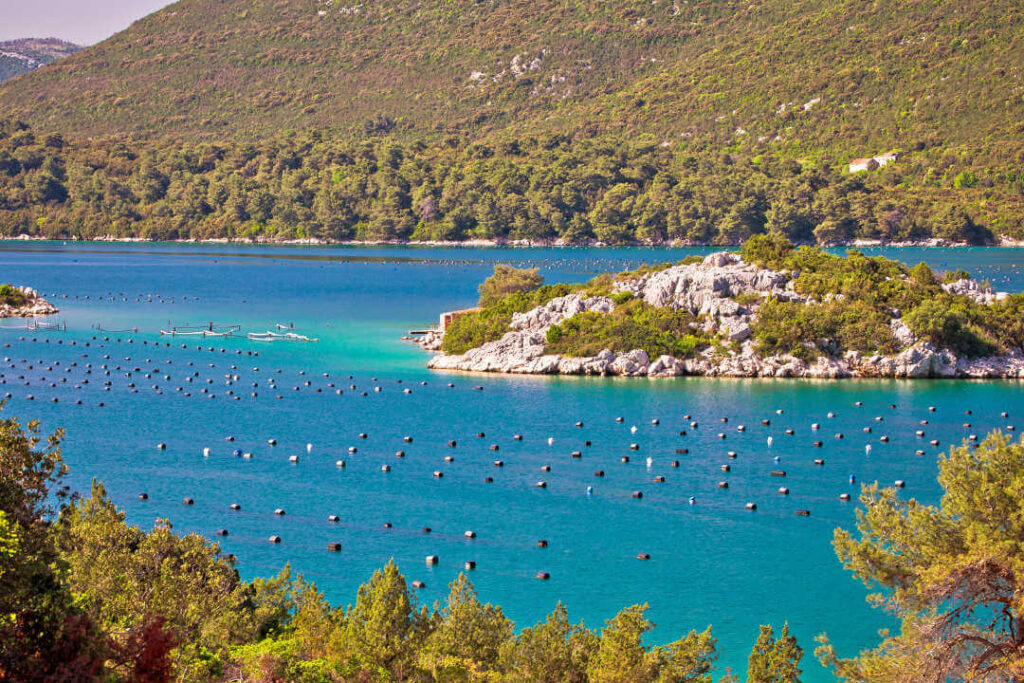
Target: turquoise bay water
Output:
[{"x": 711, "y": 562}]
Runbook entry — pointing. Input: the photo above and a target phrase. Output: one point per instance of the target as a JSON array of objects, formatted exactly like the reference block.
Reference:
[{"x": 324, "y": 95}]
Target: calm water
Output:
[{"x": 712, "y": 562}]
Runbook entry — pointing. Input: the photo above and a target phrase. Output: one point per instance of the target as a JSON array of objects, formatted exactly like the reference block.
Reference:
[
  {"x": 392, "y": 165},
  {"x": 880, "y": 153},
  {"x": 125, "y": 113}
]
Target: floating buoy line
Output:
[{"x": 94, "y": 370}]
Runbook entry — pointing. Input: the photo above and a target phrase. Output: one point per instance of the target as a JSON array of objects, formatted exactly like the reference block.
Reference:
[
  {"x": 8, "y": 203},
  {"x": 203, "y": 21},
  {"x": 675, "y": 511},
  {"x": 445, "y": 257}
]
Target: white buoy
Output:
[
  {"x": 309, "y": 448},
  {"x": 770, "y": 439},
  {"x": 632, "y": 430},
  {"x": 650, "y": 461},
  {"x": 551, "y": 440},
  {"x": 590, "y": 490},
  {"x": 867, "y": 450},
  {"x": 206, "y": 452}
]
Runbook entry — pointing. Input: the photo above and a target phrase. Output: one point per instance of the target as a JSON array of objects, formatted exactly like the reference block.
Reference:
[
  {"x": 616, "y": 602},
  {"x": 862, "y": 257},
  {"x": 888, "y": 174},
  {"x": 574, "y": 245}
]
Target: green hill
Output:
[
  {"x": 853, "y": 76},
  {"x": 26, "y": 54},
  {"x": 691, "y": 107}
]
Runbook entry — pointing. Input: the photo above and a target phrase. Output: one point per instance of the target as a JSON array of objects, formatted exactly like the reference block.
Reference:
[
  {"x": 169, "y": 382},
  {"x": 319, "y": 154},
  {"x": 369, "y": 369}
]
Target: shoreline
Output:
[
  {"x": 922, "y": 362},
  {"x": 931, "y": 243}
]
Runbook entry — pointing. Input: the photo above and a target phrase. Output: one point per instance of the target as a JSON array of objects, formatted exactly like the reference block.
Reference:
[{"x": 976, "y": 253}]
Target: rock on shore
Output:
[
  {"x": 707, "y": 289},
  {"x": 34, "y": 306}
]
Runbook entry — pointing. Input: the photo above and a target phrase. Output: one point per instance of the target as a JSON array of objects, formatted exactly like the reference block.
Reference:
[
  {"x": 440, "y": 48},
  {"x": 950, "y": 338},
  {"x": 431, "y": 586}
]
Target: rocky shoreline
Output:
[
  {"x": 709, "y": 289},
  {"x": 34, "y": 306}
]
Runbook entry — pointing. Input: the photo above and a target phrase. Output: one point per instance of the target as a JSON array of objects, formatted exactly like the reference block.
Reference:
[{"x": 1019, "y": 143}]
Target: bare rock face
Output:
[
  {"x": 632, "y": 364},
  {"x": 1011, "y": 365},
  {"x": 555, "y": 311},
  {"x": 901, "y": 334},
  {"x": 705, "y": 288},
  {"x": 666, "y": 366},
  {"x": 514, "y": 350},
  {"x": 973, "y": 290}
]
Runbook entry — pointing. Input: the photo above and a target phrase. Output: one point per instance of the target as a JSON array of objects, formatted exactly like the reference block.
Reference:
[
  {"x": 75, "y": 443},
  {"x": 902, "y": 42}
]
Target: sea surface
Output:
[{"x": 712, "y": 561}]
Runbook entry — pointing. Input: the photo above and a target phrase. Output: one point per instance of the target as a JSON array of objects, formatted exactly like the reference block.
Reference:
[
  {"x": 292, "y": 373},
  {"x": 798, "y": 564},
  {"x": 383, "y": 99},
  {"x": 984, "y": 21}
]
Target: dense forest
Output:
[
  {"x": 86, "y": 597},
  {"x": 551, "y": 188},
  {"x": 620, "y": 122}
]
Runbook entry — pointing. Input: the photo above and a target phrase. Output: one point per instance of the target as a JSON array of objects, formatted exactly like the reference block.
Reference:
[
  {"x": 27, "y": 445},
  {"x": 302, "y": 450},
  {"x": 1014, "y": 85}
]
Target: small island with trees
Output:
[
  {"x": 768, "y": 310},
  {"x": 23, "y": 302}
]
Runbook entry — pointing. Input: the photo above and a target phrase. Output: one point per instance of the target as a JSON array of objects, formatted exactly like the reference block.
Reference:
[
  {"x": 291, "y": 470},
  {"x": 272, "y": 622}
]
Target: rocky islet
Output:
[{"x": 710, "y": 290}]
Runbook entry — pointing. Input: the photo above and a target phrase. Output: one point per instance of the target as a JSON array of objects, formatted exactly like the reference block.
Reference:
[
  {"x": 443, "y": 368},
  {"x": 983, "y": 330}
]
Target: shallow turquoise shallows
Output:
[{"x": 711, "y": 562}]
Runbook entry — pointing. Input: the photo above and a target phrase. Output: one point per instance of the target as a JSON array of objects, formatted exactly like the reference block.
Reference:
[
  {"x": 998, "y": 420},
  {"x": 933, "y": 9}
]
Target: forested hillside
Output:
[
  {"x": 703, "y": 121},
  {"x": 305, "y": 186},
  {"x": 852, "y": 77}
]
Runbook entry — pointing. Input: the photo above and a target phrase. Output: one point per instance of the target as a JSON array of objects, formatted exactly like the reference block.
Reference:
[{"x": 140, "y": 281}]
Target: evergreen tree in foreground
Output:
[
  {"x": 775, "y": 660},
  {"x": 953, "y": 573}
]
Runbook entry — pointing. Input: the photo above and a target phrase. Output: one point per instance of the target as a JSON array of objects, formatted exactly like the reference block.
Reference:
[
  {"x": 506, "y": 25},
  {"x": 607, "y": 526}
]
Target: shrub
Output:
[
  {"x": 807, "y": 330},
  {"x": 950, "y": 323},
  {"x": 955, "y": 275},
  {"x": 768, "y": 251},
  {"x": 1005, "y": 320},
  {"x": 632, "y": 325},
  {"x": 12, "y": 296},
  {"x": 475, "y": 329},
  {"x": 507, "y": 280},
  {"x": 491, "y": 323},
  {"x": 921, "y": 274}
]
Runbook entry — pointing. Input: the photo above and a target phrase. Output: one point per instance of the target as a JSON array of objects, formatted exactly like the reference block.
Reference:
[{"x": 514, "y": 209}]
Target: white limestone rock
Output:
[
  {"x": 631, "y": 364},
  {"x": 974, "y": 290}
]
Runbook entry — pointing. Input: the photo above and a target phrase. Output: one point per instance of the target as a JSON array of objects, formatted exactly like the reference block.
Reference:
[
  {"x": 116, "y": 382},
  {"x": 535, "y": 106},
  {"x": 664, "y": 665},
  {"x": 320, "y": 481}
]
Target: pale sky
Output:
[{"x": 81, "y": 21}]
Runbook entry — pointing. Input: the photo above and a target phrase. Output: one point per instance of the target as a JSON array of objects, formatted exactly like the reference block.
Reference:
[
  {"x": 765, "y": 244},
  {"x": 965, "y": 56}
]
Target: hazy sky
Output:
[{"x": 80, "y": 21}]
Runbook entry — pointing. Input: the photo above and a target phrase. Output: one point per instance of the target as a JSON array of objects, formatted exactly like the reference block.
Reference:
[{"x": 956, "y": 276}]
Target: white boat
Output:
[
  {"x": 208, "y": 331},
  {"x": 274, "y": 336}
]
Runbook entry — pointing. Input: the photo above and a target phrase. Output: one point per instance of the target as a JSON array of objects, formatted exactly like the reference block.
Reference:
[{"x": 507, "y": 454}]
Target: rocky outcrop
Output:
[
  {"x": 523, "y": 346},
  {"x": 919, "y": 361},
  {"x": 709, "y": 290},
  {"x": 974, "y": 290},
  {"x": 33, "y": 306},
  {"x": 705, "y": 288},
  {"x": 555, "y": 311},
  {"x": 430, "y": 340}
]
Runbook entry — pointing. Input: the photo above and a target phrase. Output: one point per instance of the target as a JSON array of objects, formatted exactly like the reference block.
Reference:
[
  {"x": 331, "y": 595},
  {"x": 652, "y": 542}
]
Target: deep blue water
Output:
[{"x": 711, "y": 562}]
